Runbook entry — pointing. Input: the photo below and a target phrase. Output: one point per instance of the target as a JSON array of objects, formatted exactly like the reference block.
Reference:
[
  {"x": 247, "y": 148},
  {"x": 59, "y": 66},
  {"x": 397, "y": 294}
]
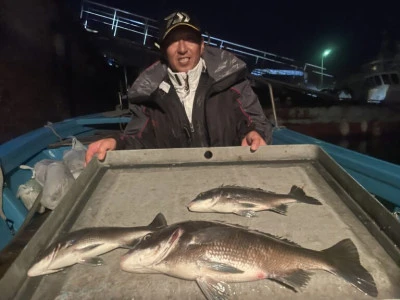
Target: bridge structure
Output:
[{"x": 144, "y": 31}]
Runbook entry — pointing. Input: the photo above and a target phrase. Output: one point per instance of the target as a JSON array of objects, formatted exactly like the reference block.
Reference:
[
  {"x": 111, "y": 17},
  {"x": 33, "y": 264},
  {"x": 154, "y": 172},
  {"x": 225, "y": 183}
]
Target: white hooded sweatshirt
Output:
[{"x": 186, "y": 84}]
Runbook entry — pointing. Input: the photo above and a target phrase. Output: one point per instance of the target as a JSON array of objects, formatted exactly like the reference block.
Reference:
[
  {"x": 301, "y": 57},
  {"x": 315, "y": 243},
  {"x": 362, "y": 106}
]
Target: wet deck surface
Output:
[{"x": 126, "y": 196}]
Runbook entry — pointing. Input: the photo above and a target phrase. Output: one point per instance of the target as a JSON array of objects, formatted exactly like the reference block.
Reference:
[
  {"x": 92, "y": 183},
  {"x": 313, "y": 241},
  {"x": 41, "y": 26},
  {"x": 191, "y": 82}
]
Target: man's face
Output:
[{"x": 184, "y": 47}]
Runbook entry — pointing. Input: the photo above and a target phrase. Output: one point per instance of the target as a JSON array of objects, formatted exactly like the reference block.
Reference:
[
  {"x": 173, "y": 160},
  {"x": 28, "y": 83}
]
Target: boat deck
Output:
[{"x": 130, "y": 187}]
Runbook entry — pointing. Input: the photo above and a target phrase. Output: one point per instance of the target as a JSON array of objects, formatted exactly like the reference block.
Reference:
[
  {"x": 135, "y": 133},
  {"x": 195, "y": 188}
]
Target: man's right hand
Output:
[{"x": 100, "y": 148}]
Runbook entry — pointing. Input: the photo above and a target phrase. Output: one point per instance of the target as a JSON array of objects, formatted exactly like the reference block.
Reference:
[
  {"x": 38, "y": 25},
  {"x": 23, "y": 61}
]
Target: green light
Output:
[{"x": 326, "y": 52}]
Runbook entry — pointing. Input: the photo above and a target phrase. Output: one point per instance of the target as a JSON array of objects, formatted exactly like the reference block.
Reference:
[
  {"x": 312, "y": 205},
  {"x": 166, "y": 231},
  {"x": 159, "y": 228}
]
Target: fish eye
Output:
[
  {"x": 199, "y": 196},
  {"x": 146, "y": 237}
]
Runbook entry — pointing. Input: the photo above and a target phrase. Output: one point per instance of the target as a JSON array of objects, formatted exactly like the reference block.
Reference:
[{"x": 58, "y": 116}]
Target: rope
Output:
[
  {"x": 25, "y": 167},
  {"x": 9, "y": 223},
  {"x": 2, "y": 215},
  {"x": 50, "y": 126}
]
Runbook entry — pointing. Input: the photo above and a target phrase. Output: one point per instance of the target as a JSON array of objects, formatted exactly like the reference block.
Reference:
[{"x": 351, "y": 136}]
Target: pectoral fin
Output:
[
  {"x": 246, "y": 204},
  {"x": 94, "y": 261},
  {"x": 245, "y": 209},
  {"x": 83, "y": 248},
  {"x": 246, "y": 213},
  {"x": 220, "y": 267},
  {"x": 281, "y": 209},
  {"x": 214, "y": 289}
]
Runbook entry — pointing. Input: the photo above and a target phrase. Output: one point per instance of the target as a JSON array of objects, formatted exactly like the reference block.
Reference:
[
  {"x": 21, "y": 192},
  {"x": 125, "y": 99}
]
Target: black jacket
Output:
[{"x": 225, "y": 108}]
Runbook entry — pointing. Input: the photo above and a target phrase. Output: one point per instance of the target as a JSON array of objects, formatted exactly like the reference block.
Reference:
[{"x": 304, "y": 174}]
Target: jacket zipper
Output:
[
  {"x": 190, "y": 123},
  {"x": 188, "y": 130}
]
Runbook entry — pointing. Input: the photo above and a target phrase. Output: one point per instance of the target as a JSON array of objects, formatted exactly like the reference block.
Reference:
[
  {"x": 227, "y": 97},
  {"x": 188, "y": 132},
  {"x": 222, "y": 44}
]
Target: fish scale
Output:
[{"x": 275, "y": 257}]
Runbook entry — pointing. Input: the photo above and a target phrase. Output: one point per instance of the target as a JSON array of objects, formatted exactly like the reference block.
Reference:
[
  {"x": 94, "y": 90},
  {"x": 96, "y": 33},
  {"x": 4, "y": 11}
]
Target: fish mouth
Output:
[
  {"x": 42, "y": 267},
  {"x": 194, "y": 205},
  {"x": 160, "y": 252},
  {"x": 170, "y": 244},
  {"x": 32, "y": 272},
  {"x": 190, "y": 205}
]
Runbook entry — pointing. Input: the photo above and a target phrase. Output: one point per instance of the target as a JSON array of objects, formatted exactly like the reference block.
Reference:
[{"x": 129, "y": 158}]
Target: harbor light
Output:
[{"x": 324, "y": 54}]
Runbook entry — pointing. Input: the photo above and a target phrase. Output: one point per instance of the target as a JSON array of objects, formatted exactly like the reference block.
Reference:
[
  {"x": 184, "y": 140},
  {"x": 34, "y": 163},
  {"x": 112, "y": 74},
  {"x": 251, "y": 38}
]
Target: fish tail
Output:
[
  {"x": 345, "y": 262},
  {"x": 298, "y": 193}
]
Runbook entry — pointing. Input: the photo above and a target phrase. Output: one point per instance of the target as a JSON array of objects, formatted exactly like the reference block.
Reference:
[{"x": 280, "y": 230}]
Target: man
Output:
[{"x": 195, "y": 96}]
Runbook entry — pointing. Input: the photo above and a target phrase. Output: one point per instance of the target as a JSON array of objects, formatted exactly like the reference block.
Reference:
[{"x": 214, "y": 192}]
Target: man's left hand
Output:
[{"x": 254, "y": 140}]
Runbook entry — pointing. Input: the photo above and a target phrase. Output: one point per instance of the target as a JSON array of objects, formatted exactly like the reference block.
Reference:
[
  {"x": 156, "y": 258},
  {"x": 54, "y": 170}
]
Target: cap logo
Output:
[{"x": 176, "y": 18}]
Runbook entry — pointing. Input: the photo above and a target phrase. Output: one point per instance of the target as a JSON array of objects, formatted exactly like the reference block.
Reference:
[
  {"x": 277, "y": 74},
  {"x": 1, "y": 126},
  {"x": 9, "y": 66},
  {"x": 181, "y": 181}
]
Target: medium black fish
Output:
[
  {"x": 83, "y": 246},
  {"x": 245, "y": 201}
]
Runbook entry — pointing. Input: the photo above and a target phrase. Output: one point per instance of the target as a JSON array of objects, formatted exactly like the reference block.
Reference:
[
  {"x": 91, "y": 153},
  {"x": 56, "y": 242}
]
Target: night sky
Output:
[{"x": 297, "y": 29}]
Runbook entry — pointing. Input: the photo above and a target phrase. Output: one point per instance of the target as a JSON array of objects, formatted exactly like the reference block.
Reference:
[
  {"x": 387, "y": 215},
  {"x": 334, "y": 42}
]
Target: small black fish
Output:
[{"x": 245, "y": 201}]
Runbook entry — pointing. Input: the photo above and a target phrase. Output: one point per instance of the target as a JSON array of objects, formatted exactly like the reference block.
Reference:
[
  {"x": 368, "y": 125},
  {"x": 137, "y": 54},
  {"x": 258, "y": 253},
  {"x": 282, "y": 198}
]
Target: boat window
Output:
[
  {"x": 378, "y": 80},
  {"x": 395, "y": 78},
  {"x": 386, "y": 79},
  {"x": 370, "y": 82}
]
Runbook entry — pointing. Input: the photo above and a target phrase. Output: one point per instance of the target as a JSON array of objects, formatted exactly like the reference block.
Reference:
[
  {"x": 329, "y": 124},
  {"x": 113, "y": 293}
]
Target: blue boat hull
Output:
[{"x": 380, "y": 178}]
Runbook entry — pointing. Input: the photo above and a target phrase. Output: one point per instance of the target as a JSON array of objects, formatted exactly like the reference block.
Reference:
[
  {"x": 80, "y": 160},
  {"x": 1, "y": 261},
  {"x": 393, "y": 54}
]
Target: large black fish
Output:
[{"x": 214, "y": 254}]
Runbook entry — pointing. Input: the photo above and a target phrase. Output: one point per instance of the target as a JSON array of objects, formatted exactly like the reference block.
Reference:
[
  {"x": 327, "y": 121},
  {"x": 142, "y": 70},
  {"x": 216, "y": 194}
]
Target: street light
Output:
[{"x": 326, "y": 53}]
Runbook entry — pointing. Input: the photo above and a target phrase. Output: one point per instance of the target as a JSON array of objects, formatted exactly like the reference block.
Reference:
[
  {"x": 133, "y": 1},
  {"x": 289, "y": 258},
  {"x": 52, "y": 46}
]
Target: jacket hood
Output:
[{"x": 222, "y": 66}]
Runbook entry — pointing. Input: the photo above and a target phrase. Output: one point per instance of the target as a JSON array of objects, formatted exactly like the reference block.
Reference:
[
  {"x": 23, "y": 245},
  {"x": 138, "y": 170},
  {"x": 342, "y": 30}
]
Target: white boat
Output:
[{"x": 378, "y": 82}]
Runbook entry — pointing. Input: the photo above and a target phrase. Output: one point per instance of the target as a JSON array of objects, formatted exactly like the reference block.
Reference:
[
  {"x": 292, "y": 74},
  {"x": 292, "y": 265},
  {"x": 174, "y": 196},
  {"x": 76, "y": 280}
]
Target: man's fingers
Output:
[
  {"x": 93, "y": 149},
  {"x": 89, "y": 153},
  {"x": 101, "y": 153},
  {"x": 88, "y": 156},
  {"x": 255, "y": 143},
  {"x": 104, "y": 146},
  {"x": 254, "y": 140}
]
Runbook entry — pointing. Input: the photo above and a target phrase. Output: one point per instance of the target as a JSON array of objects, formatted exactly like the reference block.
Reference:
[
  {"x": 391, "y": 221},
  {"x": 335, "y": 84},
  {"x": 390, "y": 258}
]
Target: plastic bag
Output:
[
  {"x": 28, "y": 193},
  {"x": 74, "y": 158},
  {"x": 58, "y": 181},
  {"x": 40, "y": 170}
]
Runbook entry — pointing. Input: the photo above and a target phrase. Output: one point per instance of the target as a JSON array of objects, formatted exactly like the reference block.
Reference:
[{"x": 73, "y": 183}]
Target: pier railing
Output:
[{"x": 97, "y": 17}]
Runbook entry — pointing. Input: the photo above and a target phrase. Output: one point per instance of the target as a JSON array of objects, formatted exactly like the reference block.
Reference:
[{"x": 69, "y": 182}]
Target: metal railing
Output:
[
  {"x": 98, "y": 17},
  {"x": 256, "y": 54},
  {"x": 146, "y": 30},
  {"x": 95, "y": 15}
]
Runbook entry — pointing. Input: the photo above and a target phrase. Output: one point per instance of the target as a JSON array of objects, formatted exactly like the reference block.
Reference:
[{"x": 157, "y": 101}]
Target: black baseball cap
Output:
[{"x": 174, "y": 20}]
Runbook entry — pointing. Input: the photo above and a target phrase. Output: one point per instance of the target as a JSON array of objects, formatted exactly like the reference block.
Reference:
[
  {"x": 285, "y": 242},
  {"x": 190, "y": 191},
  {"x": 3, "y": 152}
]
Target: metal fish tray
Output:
[{"x": 130, "y": 187}]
